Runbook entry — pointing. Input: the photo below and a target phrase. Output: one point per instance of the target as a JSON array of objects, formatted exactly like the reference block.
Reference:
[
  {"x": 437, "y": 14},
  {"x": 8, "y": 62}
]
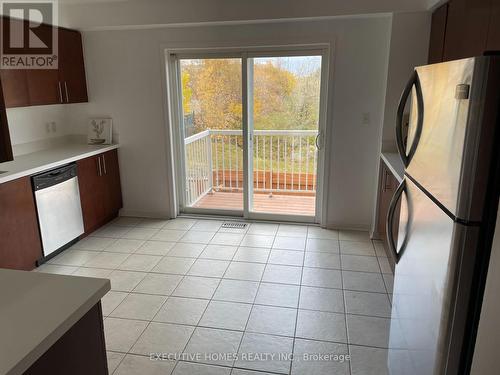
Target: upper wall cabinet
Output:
[
  {"x": 438, "y": 29},
  {"x": 464, "y": 28},
  {"x": 72, "y": 68},
  {"x": 493, "y": 42},
  {"x": 67, "y": 84}
]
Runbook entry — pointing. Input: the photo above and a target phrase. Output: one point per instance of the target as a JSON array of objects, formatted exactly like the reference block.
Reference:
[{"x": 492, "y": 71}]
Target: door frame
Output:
[{"x": 174, "y": 109}]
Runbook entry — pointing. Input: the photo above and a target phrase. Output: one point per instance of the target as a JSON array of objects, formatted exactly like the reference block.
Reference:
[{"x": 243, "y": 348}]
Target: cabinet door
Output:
[
  {"x": 5, "y": 145},
  {"x": 466, "y": 28},
  {"x": 113, "y": 184},
  {"x": 493, "y": 43},
  {"x": 20, "y": 244},
  {"x": 72, "y": 68},
  {"x": 92, "y": 192},
  {"x": 438, "y": 29},
  {"x": 15, "y": 87},
  {"x": 43, "y": 84}
]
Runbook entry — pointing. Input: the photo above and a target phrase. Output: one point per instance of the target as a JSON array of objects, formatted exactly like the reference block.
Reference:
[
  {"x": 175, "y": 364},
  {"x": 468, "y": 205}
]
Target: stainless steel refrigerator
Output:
[{"x": 448, "y": 199}]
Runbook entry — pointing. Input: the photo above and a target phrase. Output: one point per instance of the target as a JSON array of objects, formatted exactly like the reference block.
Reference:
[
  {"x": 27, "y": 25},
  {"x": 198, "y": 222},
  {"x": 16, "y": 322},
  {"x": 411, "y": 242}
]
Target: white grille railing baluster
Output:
[{"x": 210, "y": 152}]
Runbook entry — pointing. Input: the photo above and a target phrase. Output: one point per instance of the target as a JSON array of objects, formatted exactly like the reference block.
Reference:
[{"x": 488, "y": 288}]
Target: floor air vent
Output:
[{"x": 234, "y": 225}]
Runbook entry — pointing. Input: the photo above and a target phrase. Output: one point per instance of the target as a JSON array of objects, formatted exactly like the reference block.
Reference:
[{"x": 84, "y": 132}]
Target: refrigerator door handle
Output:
[
  {"x": 390, "y": 221},
  {"x": 414, "y": 81}
]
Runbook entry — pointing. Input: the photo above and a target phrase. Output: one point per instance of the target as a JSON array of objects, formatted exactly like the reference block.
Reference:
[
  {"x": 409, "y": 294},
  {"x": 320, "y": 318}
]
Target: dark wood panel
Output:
[
  {"x": 44, "y": 87},
  {"x": 113, "y": 183},
  {"x": 493, "y": 42},
  {"x": 66, "y": 84},
  {"x": 15, "y": 87},
  {"x": 20, "y": 244},
  {"x": 100, "y": 189},
  {"x": 438, "y": 30},
  {"x": 72, "y": 68},
  {"x": 466, "y": 28},
  {"x": 92, "y": 193},
  {"x": 5, "y": 145},
  {"x": 80, "y": 351}
]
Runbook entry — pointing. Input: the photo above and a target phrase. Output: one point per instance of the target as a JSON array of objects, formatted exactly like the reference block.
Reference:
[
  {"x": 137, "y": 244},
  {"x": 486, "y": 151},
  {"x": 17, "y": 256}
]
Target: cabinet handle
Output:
[
  {"x": 60, "y": 92},
  {"x": 99, "y": 166},
  {"x": 104, "y": 164},
  {"x": 66, "y": 91}
]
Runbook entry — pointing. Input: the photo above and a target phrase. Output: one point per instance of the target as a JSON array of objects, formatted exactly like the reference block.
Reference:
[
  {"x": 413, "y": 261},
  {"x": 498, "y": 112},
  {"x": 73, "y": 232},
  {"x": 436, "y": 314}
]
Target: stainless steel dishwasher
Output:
[{"x": 59, "y": 209}]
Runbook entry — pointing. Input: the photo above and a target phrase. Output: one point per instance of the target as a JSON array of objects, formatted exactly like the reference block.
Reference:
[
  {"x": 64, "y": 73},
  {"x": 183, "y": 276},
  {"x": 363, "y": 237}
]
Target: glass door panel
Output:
[
  {"x": 283, "y": 126},
  {"x": 212, "y": 133}
]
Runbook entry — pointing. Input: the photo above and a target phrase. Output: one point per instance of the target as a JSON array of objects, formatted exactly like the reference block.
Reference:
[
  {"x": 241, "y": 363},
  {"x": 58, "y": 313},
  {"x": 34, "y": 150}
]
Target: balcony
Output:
[{"x": 284, "y": 171}]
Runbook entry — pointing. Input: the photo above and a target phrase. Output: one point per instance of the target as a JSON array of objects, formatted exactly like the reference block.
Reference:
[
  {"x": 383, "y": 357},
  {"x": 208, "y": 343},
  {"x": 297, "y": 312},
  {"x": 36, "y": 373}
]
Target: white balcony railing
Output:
[{"x": 284, "y": 161}]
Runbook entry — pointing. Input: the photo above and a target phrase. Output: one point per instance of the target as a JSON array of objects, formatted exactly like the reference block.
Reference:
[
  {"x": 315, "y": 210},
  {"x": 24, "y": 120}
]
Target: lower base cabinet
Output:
[
  {"x": 20, "y": 244},
  {"x": 100, "y": 189},
  {"x": 80, "y": 351}
]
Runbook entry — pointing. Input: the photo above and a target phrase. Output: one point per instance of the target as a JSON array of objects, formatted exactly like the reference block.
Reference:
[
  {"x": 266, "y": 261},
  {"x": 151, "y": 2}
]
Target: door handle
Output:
[
  {"x": 99, "y": 166},
  {"x": 390, "y": 222},
  {"x": 414, "y": 81},
  {"x": 104, "y": 164},
  {"x": 66, "y": 91},
  {"x": 60, "y": 92},
  {"x": 316, "y": 141}
]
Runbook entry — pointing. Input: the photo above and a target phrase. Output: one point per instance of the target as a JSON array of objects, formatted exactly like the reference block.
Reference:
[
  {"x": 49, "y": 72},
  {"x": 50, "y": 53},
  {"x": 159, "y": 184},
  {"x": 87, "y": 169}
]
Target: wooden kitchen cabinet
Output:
[
  {"x": 466, "y": 28},
  {"x": 100, "y": 189},
  {"x": 66, "y": 84},
  {"x": 5, "y": 144},
  {"x": 438, "y": 30},
  {"x": 15, "y": 87},
  {"x": 493, "y": 42},
  {"x": 72, "y": 68},
  {"x": 80, "y": 351},
  {"x": 20, "y": 243}
]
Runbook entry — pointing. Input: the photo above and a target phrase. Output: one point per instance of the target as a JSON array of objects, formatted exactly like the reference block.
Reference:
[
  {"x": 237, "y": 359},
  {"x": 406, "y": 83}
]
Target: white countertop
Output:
[
  {"x": 36, "y": 310},
  {"x": 29, "y": 164},
  {"x": 394, "y": 163}
]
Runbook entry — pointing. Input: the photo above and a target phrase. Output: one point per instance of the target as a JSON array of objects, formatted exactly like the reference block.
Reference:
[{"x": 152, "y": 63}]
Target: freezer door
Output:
[
  {"x": 446, "y": 155},
  {"x": 426, "y": 288}
]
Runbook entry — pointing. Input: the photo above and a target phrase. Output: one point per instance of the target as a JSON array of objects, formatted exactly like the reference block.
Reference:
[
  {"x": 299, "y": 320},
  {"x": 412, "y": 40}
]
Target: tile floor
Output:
[{"x": 190, "y": 287}]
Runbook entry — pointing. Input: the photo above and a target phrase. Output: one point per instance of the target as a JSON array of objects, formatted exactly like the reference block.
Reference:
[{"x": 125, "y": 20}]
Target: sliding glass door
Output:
[
  {"x": 249, "y": 133},
  {"x": 284, "y": 126},
  {"x": 212, "y": 133}
]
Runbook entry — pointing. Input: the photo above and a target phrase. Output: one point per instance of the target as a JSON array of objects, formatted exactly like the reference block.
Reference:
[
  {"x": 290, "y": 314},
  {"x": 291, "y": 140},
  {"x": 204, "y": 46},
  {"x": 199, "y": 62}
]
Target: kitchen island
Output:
[{"x": 51, "y": 324}]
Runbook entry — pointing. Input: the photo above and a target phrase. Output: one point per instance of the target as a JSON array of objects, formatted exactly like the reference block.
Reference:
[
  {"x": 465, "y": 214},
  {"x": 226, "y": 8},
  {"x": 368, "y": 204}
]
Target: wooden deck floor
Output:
[{"x": 278, "y": 204}]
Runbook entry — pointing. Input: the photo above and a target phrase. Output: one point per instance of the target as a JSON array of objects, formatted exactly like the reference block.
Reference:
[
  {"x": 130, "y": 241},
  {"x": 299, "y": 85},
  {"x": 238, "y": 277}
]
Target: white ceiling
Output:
[{"x": 115, "y": 13}]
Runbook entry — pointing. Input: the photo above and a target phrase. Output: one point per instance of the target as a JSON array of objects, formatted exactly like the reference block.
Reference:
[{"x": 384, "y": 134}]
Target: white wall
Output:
[
  {"x": 409, "y": 48},
  {"x": 485, "y": 360},
  {"x": 124, "y": 72},
  {"x": 29, "y": 126}
]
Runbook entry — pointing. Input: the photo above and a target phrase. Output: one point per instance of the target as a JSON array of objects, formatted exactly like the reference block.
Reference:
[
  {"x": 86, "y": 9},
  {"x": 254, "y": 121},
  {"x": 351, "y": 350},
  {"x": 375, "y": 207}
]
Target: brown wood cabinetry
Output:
[
  {"x": 387, "y": 187},
  {"x": 5, "y": 145},
  {"x": 66, "y": 84},
  {"x": 438, "y": 29},
  {"x": 464, "y": 28},
  {"x": 493, "y": 42},
  {"x": 100, "y": 189},
  {"x": 80, "y": 351},
  {"x": 72, "y": 68},
  {"x": 20, "y": 245}
]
